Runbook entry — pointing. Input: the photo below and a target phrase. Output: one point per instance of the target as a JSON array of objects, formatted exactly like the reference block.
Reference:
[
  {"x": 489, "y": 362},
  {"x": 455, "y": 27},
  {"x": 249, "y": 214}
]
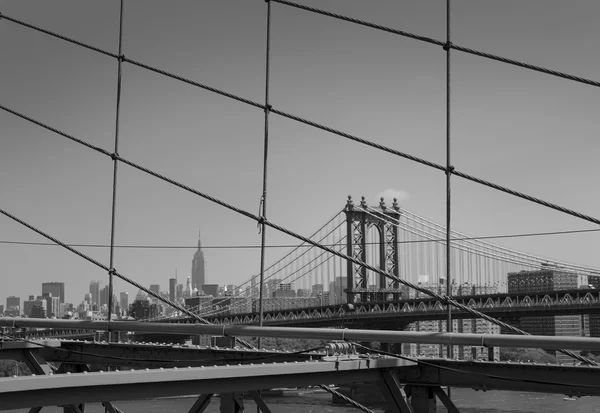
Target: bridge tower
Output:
[{"x": 359, "y": 220}]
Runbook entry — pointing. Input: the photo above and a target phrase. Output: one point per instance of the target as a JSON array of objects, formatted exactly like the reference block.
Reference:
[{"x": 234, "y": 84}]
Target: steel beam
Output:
[
  {"x": 446, "y": 401},
  {"x": 394, "y": 393},
  {"x": 576, "y": 380},
  {"x": 485, "y": 340},
  {"x": 159, "y": 355},
  {"x": 201, "y": 403},
  {"x": 72, "y": 388},
  {"x": 36, "y": 363},
  {"x": 110, "y": 408},
  {"x": 260, "y": 402}
]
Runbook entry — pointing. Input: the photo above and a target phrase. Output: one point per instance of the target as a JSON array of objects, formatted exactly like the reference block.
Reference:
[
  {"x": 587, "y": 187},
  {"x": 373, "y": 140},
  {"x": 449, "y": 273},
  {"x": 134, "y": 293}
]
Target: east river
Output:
[{"x": 468, "y": 401}]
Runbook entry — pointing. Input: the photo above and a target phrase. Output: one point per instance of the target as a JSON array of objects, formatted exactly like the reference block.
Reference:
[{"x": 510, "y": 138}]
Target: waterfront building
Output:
[{"x": 546, "y": 280}]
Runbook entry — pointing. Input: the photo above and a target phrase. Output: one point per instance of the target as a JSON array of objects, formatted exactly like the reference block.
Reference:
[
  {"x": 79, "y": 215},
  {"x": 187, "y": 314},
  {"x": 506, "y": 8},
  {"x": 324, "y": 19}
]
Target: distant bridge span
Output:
[{"x": 403, "y": 312}]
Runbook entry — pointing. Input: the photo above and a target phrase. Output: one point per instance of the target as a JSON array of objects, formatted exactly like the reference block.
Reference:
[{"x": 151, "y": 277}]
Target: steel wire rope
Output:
[
  {"x": 115, "y": 166},
  {"x": 440, "y": 241},
  {"x": 346, "y": 399},
  {"x": 342, "y": 134},
  {"x": 284, "y": 279},
  {"x": 256, "y": 218},
  {"x": 352, "y": 137},
  {"x": 449, "y": 167},
  {"x": 142, "y": 246},
  {"x": 485, "y": 245},
  {"x": 450, "y": 301},
  {"x": 294, "y": 260},
  {"x": 247, "y": 214},
  {"x": 532, "y": 261},
  {"x": 263, "y": 200},
  {"x": 442, "y": 44},
  {"x": 476, "y": 240}
]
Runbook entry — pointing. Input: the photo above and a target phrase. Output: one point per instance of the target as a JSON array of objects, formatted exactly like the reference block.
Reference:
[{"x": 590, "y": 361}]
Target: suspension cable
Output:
[
  {"x": 354, "y": 138},
  {"x": 442, "y": 298},
  {"x": 442, "y": 44},
  {"x": 115, "y": 165}
]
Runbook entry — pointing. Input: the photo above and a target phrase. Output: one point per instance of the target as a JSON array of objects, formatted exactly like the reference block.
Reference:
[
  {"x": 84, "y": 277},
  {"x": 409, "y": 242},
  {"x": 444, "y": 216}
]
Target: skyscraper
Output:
[
  {"x": 198, "y": 267},
  {"x": 172, "y": 288},
  {"x": 95, "y": 291},
  {"x": 124, "y": 302},
  {"x": 155, "y": 288},
  {"x": 57, "y": 289}
]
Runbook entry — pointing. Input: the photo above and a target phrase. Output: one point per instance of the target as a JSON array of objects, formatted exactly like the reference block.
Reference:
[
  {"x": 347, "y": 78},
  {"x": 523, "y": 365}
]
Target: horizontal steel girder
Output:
[
  {"x": 147, "y": 355},
  {"x": 60, "y": 389},
  {"x": 483, "y": 375},
  {"x": 382, "y": 336}
]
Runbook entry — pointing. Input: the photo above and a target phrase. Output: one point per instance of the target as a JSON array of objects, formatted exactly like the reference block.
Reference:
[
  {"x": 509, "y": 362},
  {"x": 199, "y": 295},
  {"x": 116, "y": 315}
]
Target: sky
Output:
[{"x": 525, "y": 130}]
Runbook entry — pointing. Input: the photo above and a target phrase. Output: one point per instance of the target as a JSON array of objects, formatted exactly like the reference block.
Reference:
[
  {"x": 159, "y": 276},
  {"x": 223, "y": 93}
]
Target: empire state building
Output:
[{"x": 198, "y": 267}]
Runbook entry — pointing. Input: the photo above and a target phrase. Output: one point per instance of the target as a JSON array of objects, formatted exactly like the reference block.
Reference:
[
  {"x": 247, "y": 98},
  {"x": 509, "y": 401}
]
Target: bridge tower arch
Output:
[{"x": 359, "y": 219}]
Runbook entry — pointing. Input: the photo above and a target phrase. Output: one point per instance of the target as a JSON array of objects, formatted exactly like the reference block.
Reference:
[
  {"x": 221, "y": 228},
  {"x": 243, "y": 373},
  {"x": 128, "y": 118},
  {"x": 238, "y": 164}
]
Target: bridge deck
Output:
[{"x": 60, "y": 389}]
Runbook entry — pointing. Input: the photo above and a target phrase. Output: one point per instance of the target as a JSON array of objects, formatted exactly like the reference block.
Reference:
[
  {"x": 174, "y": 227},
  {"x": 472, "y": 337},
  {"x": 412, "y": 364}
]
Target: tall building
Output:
[
  {"x": 172, "y": 289},
  {"x": 103, "y": 296},
  {"x": 155, "y": 288},
  {"x": 13, "y": 301},
  {"x": 124, "y": 301},
  {"x": 57, "y": 289},
  {"x": 547, "y": 279},
  {"x": 95, "y": 291},
  {"x": 198, "y": 267},
  {"x": 52, "y": 304}
]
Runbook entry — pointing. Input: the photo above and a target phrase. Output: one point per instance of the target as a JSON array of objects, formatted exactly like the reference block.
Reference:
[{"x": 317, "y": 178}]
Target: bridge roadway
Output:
[
  {"x": 400, "y": 313},
  {"x": 396, "y": 378}
]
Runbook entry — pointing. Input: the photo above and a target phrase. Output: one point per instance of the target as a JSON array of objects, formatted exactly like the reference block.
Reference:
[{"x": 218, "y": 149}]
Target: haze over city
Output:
[{"x": 528, "y": 131}]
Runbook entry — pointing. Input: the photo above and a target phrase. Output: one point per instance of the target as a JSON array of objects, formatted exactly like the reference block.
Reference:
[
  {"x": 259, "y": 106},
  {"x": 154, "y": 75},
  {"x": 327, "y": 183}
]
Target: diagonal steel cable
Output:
[
  {"x": 442, "y": 298},
  {"x": 346, "y": 399},
  {"x": 436, "y": 42},
  {"x": 334, "y": 131}
]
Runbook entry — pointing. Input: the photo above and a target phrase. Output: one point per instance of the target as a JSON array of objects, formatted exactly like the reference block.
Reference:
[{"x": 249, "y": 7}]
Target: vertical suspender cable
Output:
[
  {"x": 115, "y": 164},
  {"x": 263, "y": 212},
  {"x": 448, "y": 178}
]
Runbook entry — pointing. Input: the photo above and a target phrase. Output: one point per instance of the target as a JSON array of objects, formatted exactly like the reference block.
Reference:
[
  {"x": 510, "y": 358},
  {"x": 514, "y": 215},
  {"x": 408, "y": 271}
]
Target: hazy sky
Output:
[{"x": 525, "y": 130}]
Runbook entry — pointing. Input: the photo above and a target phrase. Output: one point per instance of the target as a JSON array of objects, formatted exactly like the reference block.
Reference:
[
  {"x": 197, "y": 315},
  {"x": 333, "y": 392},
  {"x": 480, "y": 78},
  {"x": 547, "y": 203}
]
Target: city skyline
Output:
[{"x": 509, "y": 125}]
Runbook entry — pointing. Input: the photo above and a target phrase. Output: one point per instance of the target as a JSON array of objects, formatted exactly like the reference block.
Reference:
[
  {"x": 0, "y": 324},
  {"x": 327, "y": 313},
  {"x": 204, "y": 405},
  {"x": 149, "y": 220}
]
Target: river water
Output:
[{"x": 468, "y": 401}]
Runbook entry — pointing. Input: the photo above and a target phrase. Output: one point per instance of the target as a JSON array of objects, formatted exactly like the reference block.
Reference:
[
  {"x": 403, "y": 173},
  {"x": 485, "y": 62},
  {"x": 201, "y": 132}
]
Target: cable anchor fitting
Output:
[
  {"x": 450, "y": 170},
  {"x": 114, "y": 156},
  {"x": 121, "y": 58},
  {"x": 447, "y": 46},
  {"x": 268, "y": 107},
  {"x": 112, "y": 271}
]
